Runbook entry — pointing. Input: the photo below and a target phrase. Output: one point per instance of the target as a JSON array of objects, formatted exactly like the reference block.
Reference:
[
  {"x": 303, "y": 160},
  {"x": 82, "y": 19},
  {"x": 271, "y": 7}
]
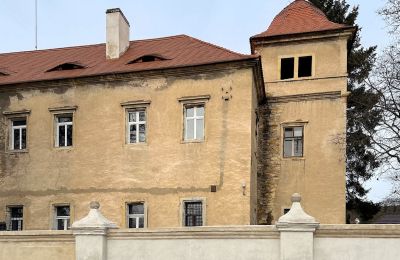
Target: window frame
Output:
[
  {"x": 128, "y": 216},
  {"x": 20, "y": 128},
  {"x": 195, "y": 119},
  {"x": 183, "y": 202},
  {"x": 10, "y": 218},
  {"x": 14, "y": 116},
  {"x": 194, "y": 101},
  {"x": 65, "y": 124},
  {"x": 296, "y": 66},
  {"x": 57, "y": 112},
  {"x": 284, "y": 127},
  {"x": 137, "y": 123},
  {"x": 65, "y": 218},
  {"x": 138, "y": 105}
]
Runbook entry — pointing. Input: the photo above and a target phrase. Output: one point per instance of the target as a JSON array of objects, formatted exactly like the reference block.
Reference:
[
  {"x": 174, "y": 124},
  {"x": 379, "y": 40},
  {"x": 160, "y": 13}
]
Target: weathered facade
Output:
[
  {"x": 314, "y": 102},
  {"x": 175, "y": 125}
]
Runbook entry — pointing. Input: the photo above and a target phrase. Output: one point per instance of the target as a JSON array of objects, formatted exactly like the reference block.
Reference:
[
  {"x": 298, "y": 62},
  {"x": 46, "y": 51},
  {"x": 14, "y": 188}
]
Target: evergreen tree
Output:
[{"x": 362, "y": 117}]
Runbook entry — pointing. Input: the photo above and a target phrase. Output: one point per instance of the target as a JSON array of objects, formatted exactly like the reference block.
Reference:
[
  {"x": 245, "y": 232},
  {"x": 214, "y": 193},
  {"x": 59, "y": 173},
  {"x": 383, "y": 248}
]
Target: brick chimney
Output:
[{"x": 117, "y": 33}]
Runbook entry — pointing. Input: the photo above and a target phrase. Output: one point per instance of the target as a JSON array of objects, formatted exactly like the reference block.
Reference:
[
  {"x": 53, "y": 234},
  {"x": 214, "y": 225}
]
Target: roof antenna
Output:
[{"x": 36, "y": 24}]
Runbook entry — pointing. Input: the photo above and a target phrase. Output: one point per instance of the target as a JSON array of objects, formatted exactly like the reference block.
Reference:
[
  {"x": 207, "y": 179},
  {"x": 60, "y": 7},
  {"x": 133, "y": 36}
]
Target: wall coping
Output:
[
  {"x": 37, "y": 236},
  {"x": 360, "y": 231},
  {"x": 205, "y": 232}
]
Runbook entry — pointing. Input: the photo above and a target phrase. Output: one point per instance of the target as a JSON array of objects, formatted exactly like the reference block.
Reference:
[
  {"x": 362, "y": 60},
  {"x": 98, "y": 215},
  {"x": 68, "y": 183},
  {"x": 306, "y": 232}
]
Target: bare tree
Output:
[
  {"x": 386, "y": 82},
  {"x": 391, "y": 14}
]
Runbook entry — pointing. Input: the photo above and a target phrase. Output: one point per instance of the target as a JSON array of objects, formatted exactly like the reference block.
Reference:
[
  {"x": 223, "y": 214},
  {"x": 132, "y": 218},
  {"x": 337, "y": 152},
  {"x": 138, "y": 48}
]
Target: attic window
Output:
[
  {"x": 148, "y": 58},
  {"x": 67, "y": 66}
]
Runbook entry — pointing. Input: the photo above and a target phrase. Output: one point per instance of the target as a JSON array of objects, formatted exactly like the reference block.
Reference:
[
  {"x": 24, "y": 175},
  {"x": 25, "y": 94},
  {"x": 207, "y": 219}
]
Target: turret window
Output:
[
  {"x": 305, "y": 66},
  {"x": 287, "y": 68},
  {"x": 296, "y": 67}
]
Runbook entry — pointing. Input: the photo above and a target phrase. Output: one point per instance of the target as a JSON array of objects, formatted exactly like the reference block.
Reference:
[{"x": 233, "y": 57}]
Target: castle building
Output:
[{"x": 176, "y": 131}]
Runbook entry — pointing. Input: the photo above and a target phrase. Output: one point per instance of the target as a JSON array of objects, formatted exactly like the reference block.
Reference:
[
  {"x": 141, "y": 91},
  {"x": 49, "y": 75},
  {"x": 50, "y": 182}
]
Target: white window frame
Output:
[
  {"x": 293, "y": 146},
  {"x": 66, "y": 124},
  {"x": 19, "y": 128},
  {"x": 195, "y": 118},
  {"x": 137, "y": 123},
  {"x": 65, "y": 219},
  {"x": 136, "y": 216}
]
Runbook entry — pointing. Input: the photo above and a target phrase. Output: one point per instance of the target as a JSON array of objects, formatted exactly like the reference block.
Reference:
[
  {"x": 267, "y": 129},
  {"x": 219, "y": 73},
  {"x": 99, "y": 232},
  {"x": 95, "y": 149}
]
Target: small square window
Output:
[
  {"x": 287, "y": 68},
  {"x": 194, "y": 123},
  {"x": 293, "y": 141},
  {"x": 305, "y": 66},
  {"x": 135, "y": 215},
  {"x": 64, "y": 130},
  {"x": 18, "y": 134},
  {"x": 62, "y": 217},
  {"x": 16, "y": 218},
  {"x": 193, "y": 213},
  {"x": 136, "y": 126}
]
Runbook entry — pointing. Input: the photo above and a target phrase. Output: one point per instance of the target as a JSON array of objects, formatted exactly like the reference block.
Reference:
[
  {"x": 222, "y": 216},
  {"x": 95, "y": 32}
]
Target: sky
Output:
[{"x": 228, "y": 23}]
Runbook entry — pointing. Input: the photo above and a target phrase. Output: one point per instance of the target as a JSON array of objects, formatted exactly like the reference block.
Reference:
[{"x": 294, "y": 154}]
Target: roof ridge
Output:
[{"x": 88, "y": 45}]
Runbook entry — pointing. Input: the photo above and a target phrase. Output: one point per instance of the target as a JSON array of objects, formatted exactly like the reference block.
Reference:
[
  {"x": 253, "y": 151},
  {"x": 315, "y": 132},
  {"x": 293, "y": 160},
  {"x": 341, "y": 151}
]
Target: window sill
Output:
[
  {"x": 192, "y": 141},
  {"x": 17, "y": 151},
  {"x": 293, "y": 158},
  {"x": 67, "y": 148},
  {"x": 136, "y": 145}
]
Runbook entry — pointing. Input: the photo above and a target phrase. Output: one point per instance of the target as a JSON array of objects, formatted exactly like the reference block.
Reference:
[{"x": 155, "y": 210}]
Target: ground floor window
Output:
[
  {"x": 62, "y": 217},
  {"x": 135, "y": 215},
  {"x": 16, "y": 216},
  {"x": 193, "y": 213}
]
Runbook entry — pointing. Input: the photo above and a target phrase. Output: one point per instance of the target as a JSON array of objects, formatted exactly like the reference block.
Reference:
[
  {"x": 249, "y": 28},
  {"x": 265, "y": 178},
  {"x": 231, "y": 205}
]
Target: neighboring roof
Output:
[
  {"x": 299, "y": 17},
  {"x": 178, "y": 51},
  {"x": 388, "y": 219}
]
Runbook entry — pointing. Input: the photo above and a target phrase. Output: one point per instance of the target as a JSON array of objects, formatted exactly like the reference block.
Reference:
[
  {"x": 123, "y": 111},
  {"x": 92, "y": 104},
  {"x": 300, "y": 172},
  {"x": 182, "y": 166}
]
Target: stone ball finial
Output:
[
  {"x": 296, "y": 197},
  {"x": 94, "y": 205}
]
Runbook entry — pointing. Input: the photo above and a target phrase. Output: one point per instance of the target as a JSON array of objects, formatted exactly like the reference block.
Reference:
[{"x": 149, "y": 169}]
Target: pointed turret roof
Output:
[{"x": 299, "y": 17}]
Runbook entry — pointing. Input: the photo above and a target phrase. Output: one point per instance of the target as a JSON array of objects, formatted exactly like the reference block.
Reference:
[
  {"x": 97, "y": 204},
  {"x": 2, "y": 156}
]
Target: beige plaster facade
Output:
[
  {"x": 318, "y": 104},
  {"x": 161, "y": 172}
]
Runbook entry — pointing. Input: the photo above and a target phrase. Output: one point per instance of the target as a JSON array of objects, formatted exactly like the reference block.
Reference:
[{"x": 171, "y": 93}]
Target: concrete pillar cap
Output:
[
  {"x": 94, "y": 220},
  {"x": 296, "y": 217}
]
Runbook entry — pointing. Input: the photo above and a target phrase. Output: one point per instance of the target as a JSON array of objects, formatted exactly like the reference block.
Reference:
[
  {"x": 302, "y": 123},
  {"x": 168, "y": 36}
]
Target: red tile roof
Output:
[
  {"x": 178, "y": 51},
  {"x": 300, "y": 16}
]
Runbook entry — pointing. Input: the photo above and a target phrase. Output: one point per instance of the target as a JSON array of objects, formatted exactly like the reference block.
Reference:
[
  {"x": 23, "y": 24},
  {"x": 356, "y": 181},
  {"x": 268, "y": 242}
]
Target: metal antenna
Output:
[{"x": 36, "y": 24}]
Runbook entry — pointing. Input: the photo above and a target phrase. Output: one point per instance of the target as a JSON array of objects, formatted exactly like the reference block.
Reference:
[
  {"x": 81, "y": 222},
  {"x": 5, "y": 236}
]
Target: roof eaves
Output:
[{"x": 241, "y": 59}]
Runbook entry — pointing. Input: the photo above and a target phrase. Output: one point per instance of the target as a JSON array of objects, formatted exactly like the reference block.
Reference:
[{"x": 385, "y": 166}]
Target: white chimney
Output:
[{"x": 117, "y": 33}]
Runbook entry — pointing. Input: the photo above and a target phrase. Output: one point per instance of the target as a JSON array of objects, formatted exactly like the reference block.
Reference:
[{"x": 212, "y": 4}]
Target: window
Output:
[
  {"x": 287, "y": 68},
  {"x": 136, "y": 126},
  {"x": 148, "y": 58},
  {"x": 194, "y": 123},
  {"x": 293, "y": 141},
  {"x": 305, "y": 66},
  {"x": 193, "y": 213},
  {"x": 18, "y": 134},
  {"x": 3, "y": 226},
  {"x": 67, "y": 66},
  {"x": 285, "y": 211},
  {"x": 135, "y": 215},
  {"x": 62, "y": 217},
  {"x": 64, "y": 130},
  {"x": 16, "y": 215},
  {"x": 296, "y": 67}
]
